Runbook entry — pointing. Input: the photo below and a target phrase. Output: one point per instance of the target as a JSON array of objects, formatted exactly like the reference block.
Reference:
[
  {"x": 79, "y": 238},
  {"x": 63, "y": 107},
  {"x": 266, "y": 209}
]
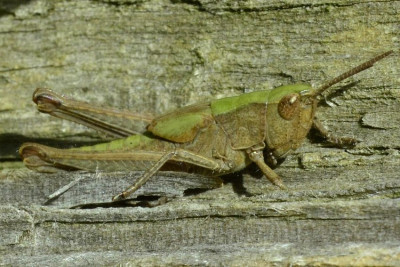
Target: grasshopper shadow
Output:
[
  {"x": 237, "y": 182},
  {"x": 237, "y": 179},
  {"x": 140, "y": 201},
  {"x": 7, "y": 7},
  {"x": 10, "y": 144},
  {"x": 337, "y": 93}
]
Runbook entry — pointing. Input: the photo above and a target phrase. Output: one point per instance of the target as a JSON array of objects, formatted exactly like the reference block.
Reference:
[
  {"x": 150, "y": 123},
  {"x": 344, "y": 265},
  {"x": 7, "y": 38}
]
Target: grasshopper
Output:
[{"x": 215, "y": 138}]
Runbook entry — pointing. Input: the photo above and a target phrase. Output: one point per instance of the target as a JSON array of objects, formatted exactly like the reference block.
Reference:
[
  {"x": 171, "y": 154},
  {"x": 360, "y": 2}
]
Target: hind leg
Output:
[{"x": 179, "y": 155}]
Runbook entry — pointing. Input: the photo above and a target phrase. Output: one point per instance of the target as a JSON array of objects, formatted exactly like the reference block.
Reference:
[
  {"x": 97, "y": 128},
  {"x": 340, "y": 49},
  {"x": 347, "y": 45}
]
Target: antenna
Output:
[{"x": 353, "y": 71}]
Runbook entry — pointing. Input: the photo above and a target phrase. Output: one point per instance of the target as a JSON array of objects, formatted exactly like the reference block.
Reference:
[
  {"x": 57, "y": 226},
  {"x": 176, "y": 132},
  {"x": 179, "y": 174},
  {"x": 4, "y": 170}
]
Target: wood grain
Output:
[{"x": 342, "y": 206}]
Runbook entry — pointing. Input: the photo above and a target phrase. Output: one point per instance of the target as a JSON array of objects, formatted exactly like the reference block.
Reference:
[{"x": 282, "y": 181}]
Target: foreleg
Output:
[{"x": 335, "y": 140}]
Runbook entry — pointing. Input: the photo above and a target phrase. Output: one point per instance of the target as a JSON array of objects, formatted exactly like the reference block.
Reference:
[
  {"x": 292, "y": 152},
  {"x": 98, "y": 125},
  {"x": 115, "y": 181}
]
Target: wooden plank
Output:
[
  {"x": 341, "y": 207},
  {"x": 315, "y": 220},
  {"x": 288, "y": 232}
]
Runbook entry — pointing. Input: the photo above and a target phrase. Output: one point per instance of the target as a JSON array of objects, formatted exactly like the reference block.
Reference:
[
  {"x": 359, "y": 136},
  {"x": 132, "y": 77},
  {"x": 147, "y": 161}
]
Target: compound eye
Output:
[{"x": 288, "y": 106}]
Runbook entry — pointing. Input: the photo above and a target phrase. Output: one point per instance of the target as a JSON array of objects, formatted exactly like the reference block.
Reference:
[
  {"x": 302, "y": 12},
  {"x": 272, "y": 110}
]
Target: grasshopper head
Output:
[
  {"x": 290, "y": 113},
  {"x": 291, "y": 110}
]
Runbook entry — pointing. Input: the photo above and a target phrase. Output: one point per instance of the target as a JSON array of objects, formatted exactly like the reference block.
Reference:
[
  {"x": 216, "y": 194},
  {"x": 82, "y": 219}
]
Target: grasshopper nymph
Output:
[{"x": 215, "y": 138}]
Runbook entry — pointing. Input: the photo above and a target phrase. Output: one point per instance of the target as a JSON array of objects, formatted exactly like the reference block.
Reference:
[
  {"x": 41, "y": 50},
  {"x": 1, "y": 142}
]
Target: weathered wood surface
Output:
[
  {"x": 69, "y": 190},
  {"x": 342, "y": 206}
]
